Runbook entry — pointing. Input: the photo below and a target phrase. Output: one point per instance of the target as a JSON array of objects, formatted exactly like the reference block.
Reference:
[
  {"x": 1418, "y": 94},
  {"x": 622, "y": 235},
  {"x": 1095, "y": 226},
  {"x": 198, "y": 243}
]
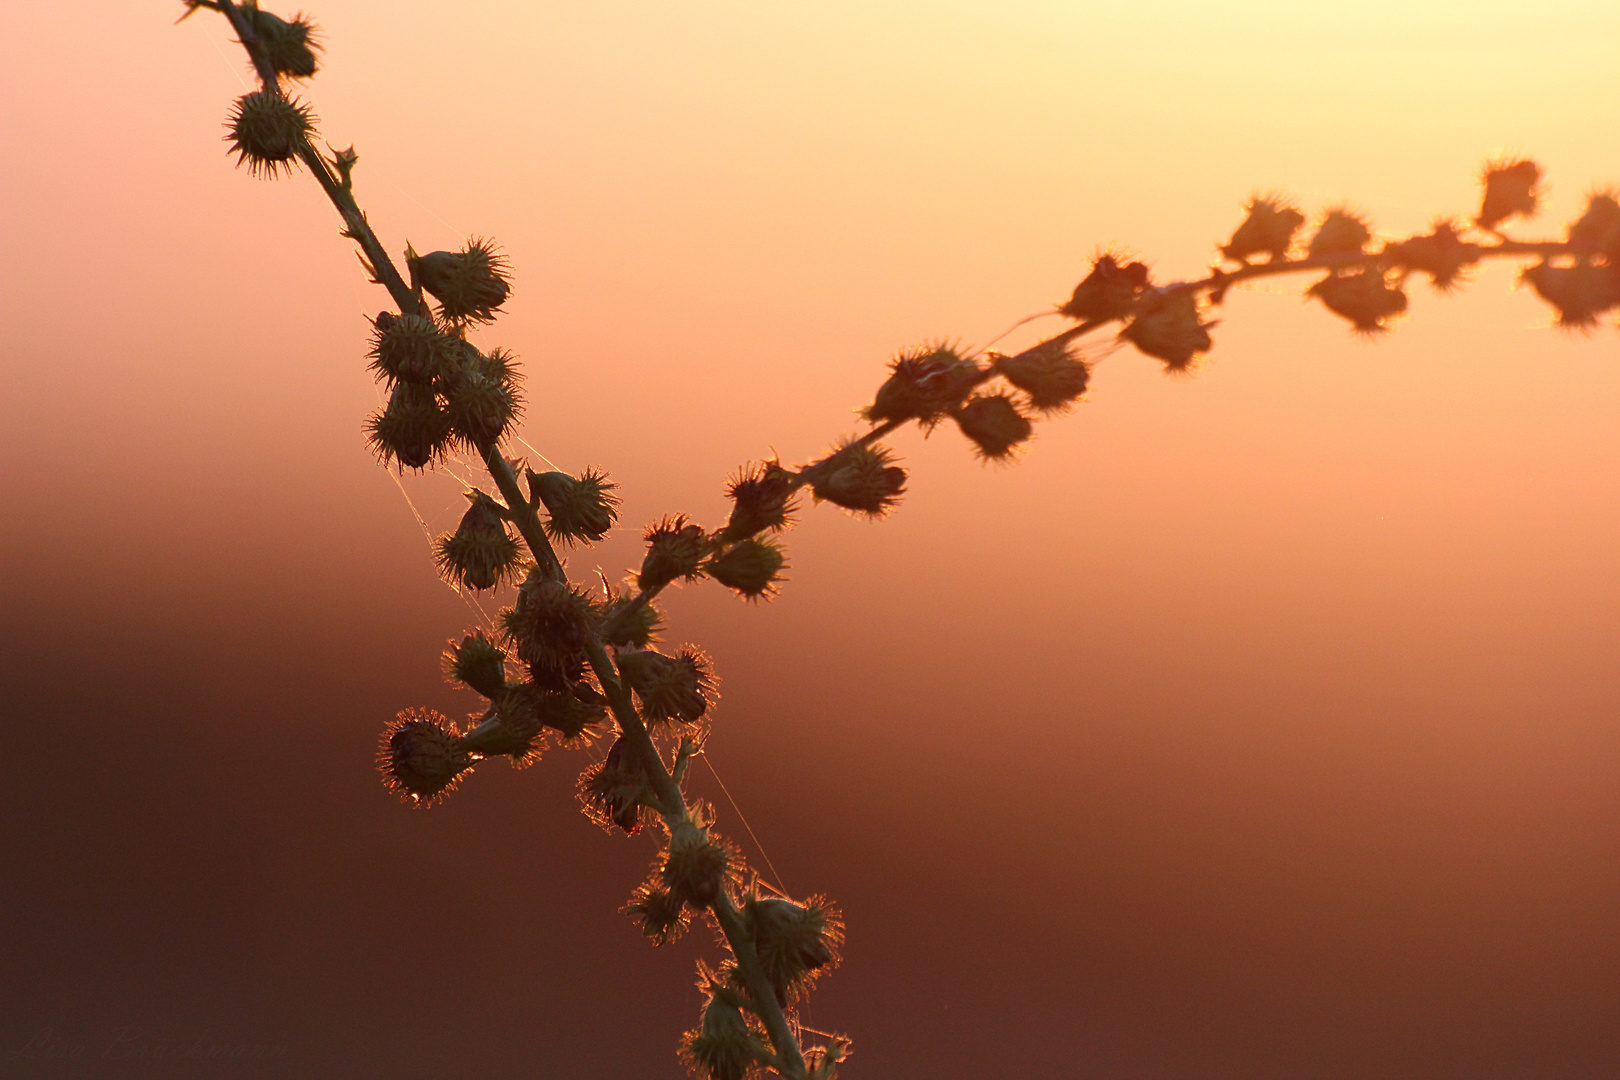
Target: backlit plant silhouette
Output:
[{"x": 569, "y": 663}]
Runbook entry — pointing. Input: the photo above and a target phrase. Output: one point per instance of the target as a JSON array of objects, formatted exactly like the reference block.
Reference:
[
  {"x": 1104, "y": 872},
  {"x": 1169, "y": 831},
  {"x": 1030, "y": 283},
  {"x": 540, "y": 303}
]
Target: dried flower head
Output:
[
  {"x": 421, "y": 756},
  {"x": 926, "y": 384},
  {"x": 753, "y": 567},
  {"x": 1580, "y": 292},
  {"x": 762, "y": 495},
  {"x": 1597, "y": 230},
  {"x": 567, "y": 712},
  {"x": 1364, "y": 296},
  {"x": 862, "y": 478},
  {"x": 581, "y": 508},
  {"x": 413, "y": 430},
  {"x": 481, "y": 553},
  {"x": 614, "y": 792},
  {"x": 628, "y": 620},
  {"x": 549, "y": 627},
  {"x": 268, "y": 130},
  {"x": 676, "y": 688},
  {"x": 477, "y": 662},
  {"x": 1342, "y": 232},
  {"x": 724, "y": 1046},
  {"x": 994, "y": 424},
  {"x": 795, "y": 942},
  {"x": 1442, "y": 254},
  {"x": 290, "y": 46},
  {"x": 410, "y": 348},
  {"x": 1108, "y": 292},
  {"x": 697, "y": 866},
  {"x": 470, "y": 285},
  {"x": 481, "y": 396},
  {"x": 1512, "y": 189},
  {"x": 675, "y": 550},
  {"x": 514, "y": 734},
  {"x": 1049, "y": 373},
  {"x": 1269, "y": 230},
  {"x": 661, "y": 916},
  {"x": 1168, "y": 327}
]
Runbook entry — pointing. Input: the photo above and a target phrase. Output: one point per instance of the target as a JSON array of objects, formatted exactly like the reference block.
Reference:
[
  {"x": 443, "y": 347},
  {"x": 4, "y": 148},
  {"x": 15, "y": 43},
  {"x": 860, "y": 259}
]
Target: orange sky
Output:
[{"x": 1258, "y": 723}]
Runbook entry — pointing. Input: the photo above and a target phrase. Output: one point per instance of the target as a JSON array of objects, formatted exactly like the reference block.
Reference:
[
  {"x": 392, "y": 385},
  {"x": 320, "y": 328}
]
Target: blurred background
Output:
[{"x": 1256, "y": 724}]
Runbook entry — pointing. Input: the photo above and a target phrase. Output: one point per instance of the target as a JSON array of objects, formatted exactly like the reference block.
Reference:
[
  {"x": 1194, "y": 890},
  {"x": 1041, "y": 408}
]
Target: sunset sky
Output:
[{"x": 1261, "y": 723}]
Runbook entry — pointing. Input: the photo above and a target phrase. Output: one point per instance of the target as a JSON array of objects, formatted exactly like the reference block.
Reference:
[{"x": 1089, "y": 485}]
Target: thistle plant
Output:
[{"x": 573, "y": 664}]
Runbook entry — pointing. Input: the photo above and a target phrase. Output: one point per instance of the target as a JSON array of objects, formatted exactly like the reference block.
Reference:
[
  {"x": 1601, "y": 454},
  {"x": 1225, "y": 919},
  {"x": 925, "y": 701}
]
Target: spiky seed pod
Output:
[
  {"x": 1442, "y": 254},
  {"x": 723, "y": 1046},
  {"x": 549, "y": 627},
  {"x": 670, "y": 688},
  {"x": 567, "y": 712},
  {"x": 470, "y": 285},
  {"x": 793, "y": 941},
  {"x": 753, "y": 567},
  {"x": 1364, "y": 296},
  {"x": 1512, "y": 189},
  {"x": 862, "y": 479},
  {"x": 1108, "y": 292},
  {"x": 507, "y": 733},
  {"x": 582, "y": 508},
  {"x": 412, "y": 431},
  {"x": 268, "y": 130},
  {"x": 1598, "y": 229},
  {"x": 1580, "y": 293},
  {"x": 994, "y": 424},
  {"x": 661, "y": 916},
  {"x": 926, "y": 384},
  {"x": 421, "y": 756},
  {"x": 1342, "y": 232},
  {"x": 480, "y": 407},
  {"x": 630, "y": 622},
  {"x": 675, "y": 550},
  {"x": 696, "y": 867},
  {"x": 477, "y": 662},
  {"x": 481, "y": 553},
  {"x": 289, "y": 46},
  {"x": 614, "y": 792},
  {"x": 1049, "y": 373},
  {"x": 1168, "y": 327},
  {"x": 1268, "y": 230},
  {"x": 762, "y": 497},
  {"x": 409, "y": 348}
]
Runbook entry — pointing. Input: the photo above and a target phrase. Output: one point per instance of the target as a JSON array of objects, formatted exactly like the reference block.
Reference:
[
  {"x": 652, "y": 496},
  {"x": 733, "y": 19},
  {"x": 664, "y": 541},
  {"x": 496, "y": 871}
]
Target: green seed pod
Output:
[
  {"x": 661, "y": 916},
  {"x": 477, "y": 662},
  {"x": 1109, "y": 292},
  {"x": 670, "y": 688},
  {"x": 614, "y": 792},
  {"x": 1269, "y": 229},
  {"x": 926, "y": 384},
  {"x": 1364, "y": 296},
  {"x": 1442, "y": 254},
  {"x": 480, "y": 554},
  {"x": 794, "y": 942},
  {"x": 752, "y": 567},
  {"x": 582, "y": 508},
  {"x": 289, "y": 46},
  {"x": 723, "y": 1047},
  {"x": 1168, "y": 327},
  {"x": 1342, "y": 232},
  {"x": 675, "y": 550},
  {"x": 1048, "y": 373},
  {"x": 696, "y": 868},
  {"x": 1598, "y": 229},
  {"x": 409, "y": 348},
  {"x": 550, "y": 625},
  {"x": 267, "y": 131},
  {"x": 412, "y": 431},
  {"x": 1512, "y": 189},
  {"x": 630, "y": 622},
  {"x": 421, "y": 756},
  {"x": 470, "y": 285},
  {"x": 762, "y": 494},
  {"x": 1580, "y": 293},
  {"x": 862, "y": 479},
  {"x": 994, "y": 424}
]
